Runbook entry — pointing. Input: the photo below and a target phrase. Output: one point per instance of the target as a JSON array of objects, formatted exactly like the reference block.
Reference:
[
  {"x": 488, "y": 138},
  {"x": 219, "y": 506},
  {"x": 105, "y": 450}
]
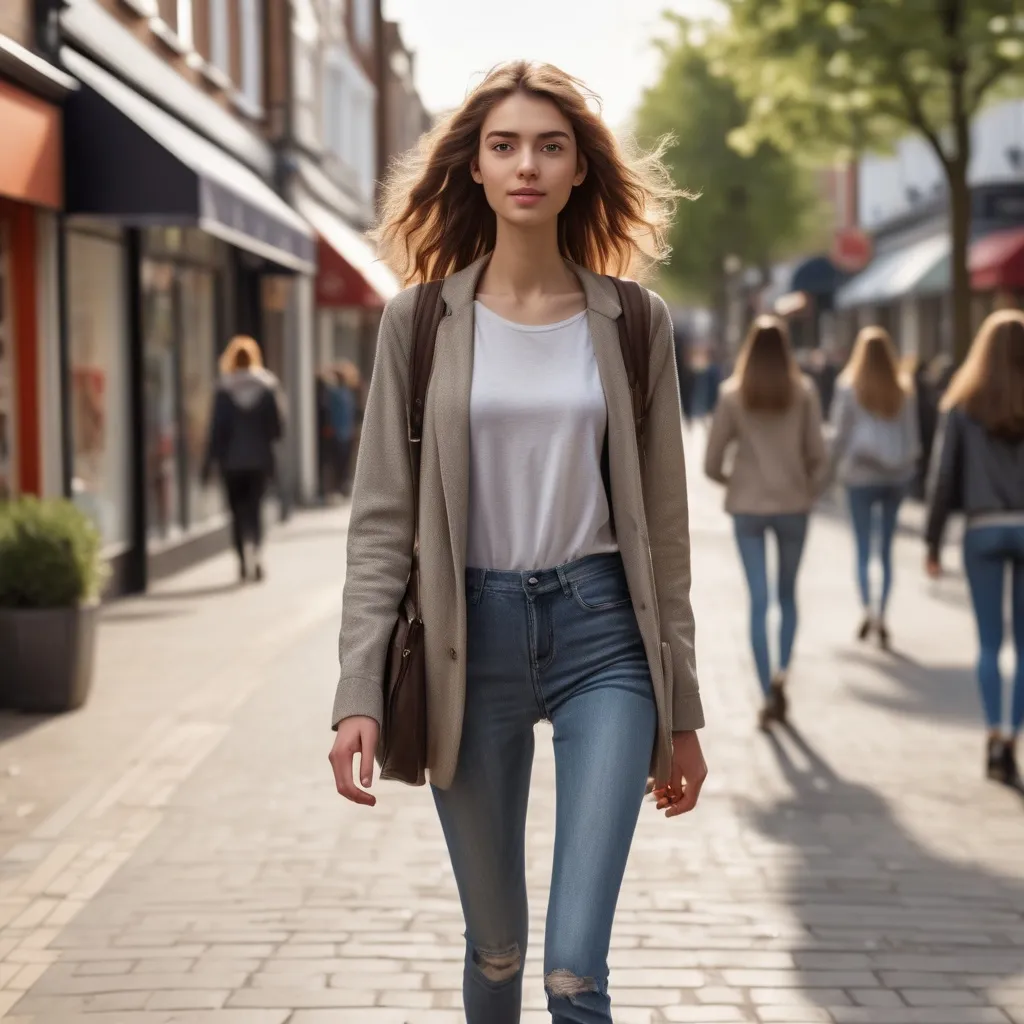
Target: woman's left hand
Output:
[{"x": 687, "y": 776}]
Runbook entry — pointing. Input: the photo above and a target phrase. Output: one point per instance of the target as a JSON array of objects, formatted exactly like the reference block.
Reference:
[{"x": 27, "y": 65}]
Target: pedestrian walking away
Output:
[
  {"x": 875, "y": 447},
  {"x": 245, "y": 422},
  {"x": 554, "y": 553},
  {"x": 343, "y": 411},
  {"x": 978, "y": 469},
  {"x": 769, "y": 415}
]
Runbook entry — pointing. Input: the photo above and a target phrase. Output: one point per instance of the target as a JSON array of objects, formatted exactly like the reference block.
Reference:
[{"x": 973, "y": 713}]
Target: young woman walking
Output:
[
  {"x": 978, "y": 469},
  {"x": 245, "y": 423},
  {"x": 875, "y": 447},
  {"x": 554, "y": 556},
  {"x": 769, "y": 413}
]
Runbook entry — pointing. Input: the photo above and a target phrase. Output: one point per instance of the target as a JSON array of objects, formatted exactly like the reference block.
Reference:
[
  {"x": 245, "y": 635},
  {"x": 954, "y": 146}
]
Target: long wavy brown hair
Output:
[
  {"x": 435, "y": 219},
  {"x": 989, "y": 386},
  {"x": 874, "y": 374},
  {"x": 766, "y": 372}
]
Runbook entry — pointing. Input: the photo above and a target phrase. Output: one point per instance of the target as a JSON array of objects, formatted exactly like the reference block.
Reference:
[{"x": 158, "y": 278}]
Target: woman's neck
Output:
[{"x": 527, "y": 265}]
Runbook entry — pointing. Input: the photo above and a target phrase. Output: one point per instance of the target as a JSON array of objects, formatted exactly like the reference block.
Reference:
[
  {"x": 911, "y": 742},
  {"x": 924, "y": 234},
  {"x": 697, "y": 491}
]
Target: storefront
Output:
[
  {"x": 31, "y": 190},
  {"x": 172, "y": 246}
]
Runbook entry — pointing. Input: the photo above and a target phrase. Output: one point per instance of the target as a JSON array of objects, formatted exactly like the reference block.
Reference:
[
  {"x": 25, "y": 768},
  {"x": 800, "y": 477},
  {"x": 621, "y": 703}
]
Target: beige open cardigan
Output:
[{"x": 653, "y": 534}]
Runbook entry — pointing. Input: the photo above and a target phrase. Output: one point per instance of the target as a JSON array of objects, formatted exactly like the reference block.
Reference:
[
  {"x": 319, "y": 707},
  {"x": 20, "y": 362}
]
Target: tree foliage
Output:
[
  {"x": 855, "y": 74},
  {"x": 843, "y": 76},
  {"x": 756, "y": 205}
]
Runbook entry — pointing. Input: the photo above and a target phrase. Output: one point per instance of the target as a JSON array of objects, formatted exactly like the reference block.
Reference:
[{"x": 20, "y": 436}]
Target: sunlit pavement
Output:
[{"x": 176, "y": 851}]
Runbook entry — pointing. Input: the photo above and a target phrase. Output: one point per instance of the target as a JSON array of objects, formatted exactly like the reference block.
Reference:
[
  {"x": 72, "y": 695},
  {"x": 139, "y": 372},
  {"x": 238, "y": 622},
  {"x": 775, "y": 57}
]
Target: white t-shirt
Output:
[{"x": 537, "y": 428}]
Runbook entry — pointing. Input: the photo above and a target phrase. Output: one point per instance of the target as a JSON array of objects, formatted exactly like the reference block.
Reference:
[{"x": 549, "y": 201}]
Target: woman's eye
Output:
[
  {"x": 552, "y": 147},
  {"x": 502, "y": 147}
]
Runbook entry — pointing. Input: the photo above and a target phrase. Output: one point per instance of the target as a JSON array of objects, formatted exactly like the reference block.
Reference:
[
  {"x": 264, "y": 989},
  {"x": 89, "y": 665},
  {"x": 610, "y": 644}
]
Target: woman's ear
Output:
[
  {"x": 581, "y": 170},
  {"x": 474, "y": 170}
]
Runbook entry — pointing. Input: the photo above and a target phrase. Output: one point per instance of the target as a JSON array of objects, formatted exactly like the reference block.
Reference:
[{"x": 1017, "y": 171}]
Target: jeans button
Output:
[{"x": 533, "y": 581}]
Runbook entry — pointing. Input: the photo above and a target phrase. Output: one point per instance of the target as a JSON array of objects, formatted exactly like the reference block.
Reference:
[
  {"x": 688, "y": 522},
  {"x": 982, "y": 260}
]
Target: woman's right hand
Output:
[{"x": 356, "y": 735}]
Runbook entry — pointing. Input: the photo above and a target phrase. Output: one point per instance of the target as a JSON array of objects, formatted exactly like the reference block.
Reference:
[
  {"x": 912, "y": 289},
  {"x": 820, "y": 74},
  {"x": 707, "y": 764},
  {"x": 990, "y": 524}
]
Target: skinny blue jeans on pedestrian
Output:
[
  {"x": 886, "y": 498},
  {"x": 989, "y": 553},
  {"x": 562, "y": 645},
  {"x": 751, "y": 536}
]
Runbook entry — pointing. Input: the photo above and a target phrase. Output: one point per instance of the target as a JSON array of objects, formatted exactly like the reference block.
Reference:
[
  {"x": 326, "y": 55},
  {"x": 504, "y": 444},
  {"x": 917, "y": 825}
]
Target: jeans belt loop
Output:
[{"x": 564, "y": 580}]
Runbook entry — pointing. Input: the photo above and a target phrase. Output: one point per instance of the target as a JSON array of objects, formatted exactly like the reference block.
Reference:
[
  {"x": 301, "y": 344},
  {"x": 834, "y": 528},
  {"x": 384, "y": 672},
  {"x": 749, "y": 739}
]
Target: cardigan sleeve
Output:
[
  {"x": 668, "y": 521},
  {"x": 380, "y": 532}
]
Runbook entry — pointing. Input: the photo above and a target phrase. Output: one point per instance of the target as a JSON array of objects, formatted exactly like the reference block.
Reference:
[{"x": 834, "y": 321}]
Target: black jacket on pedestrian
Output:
[
  {"x": 245, "y": 423},
  {"x": 974, "y": 472}
]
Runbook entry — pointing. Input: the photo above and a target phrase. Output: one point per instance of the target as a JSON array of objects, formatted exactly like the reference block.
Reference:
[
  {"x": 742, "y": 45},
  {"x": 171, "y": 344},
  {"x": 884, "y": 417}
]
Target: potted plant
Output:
[{"x": 51, "y": 575}]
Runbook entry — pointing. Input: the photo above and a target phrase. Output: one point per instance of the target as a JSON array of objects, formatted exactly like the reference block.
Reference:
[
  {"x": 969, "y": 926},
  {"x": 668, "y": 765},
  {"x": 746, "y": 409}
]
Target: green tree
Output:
[
  {"x": 755, "y": 205},
  {"x": 829, "y": 76}
]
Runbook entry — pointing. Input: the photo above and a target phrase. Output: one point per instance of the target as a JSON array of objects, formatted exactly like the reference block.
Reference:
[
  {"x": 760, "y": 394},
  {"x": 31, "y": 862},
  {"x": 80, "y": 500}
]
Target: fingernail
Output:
[{"x": 366, "y": 780}]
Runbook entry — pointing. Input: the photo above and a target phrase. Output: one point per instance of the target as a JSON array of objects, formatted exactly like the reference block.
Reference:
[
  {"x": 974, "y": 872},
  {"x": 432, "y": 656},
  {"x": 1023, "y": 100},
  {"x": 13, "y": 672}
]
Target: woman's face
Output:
[{"x": 528, "y": 161}]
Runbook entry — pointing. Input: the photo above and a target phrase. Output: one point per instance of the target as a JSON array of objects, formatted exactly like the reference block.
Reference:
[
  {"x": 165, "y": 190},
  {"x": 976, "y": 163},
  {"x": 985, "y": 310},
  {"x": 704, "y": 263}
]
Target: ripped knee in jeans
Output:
[
  {"x": 566, "y": 985},
  {"x": 498, "y": 966}
]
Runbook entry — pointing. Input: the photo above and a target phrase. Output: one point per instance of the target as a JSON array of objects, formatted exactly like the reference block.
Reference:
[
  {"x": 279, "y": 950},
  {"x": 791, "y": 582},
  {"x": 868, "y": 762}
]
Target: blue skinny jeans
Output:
[
  {"x": 790, "y": 533},
  {"x": 887, "y": 498},
  {"x": 560, "y": 645},
  {"x": 990, "y": 552}
]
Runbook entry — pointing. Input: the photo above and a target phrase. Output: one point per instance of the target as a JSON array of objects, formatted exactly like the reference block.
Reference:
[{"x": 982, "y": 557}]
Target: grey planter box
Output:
[{"x": 46, "y": 657}]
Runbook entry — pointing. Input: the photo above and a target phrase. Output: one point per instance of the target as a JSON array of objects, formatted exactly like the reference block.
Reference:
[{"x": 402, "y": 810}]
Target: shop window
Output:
[
  {"x": 98, "y": 351},
  {"x": 161, "y": 400},
  {"x": 198, "y": 303}
]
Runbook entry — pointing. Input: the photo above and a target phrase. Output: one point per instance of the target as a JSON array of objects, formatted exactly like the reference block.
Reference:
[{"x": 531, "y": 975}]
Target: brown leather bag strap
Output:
[
  {"x": 427, "y": 314},
  {"x": 635, "y": 342}
]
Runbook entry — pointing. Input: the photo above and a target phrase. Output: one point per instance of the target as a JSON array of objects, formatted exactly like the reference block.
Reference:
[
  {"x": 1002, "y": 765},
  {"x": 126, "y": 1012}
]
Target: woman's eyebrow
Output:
[{"x": 557, "y": 134}]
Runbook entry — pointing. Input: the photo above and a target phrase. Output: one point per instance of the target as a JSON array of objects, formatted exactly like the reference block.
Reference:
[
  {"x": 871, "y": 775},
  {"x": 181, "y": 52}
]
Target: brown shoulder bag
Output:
[{"x": 402, "y": 751}]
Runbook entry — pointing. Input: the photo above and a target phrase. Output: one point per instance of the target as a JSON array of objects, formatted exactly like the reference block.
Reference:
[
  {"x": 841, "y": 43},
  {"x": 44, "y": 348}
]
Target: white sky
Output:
[{"x": 606, "y": 43}]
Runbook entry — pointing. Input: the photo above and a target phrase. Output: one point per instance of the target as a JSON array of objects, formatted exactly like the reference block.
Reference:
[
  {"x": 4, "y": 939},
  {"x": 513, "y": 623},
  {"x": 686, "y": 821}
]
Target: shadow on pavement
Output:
[
  {"x": 884, "y": 907},
  {"x": 115, "y": 614},
  {"x": 194, "y": 593},
  {"x": 942, "y": 692},
  {"x": 16, "y": 723}
]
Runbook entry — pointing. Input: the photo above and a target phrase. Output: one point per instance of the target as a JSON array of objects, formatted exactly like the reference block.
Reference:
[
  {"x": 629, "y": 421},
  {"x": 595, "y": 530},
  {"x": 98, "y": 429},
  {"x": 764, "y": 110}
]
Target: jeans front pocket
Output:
[{"x": 603, "y": 592}]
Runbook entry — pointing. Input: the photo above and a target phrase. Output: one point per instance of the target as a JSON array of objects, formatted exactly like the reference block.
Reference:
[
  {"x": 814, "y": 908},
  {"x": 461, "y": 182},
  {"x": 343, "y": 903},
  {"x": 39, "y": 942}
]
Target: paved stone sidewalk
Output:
[{"x": 201, "y": 868}]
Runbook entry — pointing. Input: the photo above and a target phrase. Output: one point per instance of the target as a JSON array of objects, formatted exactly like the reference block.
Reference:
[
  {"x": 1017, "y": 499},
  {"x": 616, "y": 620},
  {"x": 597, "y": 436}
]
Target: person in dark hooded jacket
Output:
[{"x": 245, "y": 423}]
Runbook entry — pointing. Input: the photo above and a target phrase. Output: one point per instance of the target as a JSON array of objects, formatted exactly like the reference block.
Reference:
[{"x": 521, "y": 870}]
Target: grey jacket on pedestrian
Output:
[
  {"x": 972, "y": 471},
  {"x": 246, "y": 422},
  {"x": 849, "y": 419}
]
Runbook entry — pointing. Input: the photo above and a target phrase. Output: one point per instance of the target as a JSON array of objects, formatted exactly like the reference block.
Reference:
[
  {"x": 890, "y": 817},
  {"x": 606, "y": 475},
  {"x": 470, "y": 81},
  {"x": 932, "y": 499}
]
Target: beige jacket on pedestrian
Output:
[
  {"x": 779, "y": 461},
  {"x": 653, "y": 535}
]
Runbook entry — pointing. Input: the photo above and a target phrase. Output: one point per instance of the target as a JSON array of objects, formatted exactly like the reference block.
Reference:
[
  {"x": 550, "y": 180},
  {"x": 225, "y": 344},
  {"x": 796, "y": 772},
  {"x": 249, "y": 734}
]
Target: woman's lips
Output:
[{"x": 527, "y": 198}]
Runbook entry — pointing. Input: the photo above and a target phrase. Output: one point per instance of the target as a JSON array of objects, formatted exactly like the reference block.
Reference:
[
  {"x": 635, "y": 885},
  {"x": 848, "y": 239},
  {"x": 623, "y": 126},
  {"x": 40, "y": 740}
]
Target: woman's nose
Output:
[{"x": 527, "y": 165}]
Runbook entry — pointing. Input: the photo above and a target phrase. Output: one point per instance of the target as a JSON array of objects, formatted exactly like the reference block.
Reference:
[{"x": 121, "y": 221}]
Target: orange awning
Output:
[{"x": 31, "y": 161}]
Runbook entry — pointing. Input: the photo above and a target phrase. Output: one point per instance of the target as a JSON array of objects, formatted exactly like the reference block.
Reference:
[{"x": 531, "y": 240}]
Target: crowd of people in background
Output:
[{"x": 785, "y": 430}]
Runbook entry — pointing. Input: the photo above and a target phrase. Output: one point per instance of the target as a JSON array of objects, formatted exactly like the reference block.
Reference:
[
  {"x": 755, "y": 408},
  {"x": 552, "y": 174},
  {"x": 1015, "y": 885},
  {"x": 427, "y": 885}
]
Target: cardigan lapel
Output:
[
  {"x": 453, "y": 379},
  {"x": 602, "y": 315}
]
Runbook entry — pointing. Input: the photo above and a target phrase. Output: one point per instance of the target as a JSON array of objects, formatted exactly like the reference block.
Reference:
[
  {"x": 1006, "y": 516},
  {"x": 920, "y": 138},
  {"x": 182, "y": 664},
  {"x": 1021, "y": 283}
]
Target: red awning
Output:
[{"x": 997, "y": 261}]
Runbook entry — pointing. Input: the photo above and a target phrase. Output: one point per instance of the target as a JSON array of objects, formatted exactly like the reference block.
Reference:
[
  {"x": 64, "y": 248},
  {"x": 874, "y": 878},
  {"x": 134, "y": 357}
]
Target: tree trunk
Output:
[{"x": 960, "y": 228}]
